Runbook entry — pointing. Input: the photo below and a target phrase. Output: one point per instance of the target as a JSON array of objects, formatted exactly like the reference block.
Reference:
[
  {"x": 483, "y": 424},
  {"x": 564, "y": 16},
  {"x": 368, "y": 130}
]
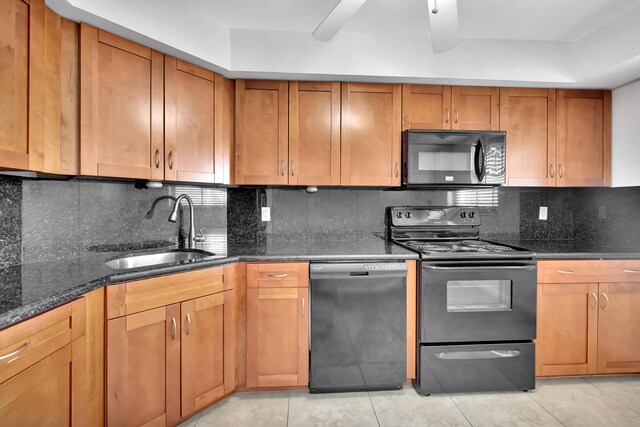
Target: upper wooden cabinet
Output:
[
  {"x": 371, "y": 131},
  {"x": 39, "y": 107},
  {"x": 195, "y": 106},
  {"x": 450, "y": 107},
  {"x": 314, "y": 133},
  {"x": 121, "y": 107},
  {"x": 262, "y": 137},
  {"x": 529, "y": 118},
  {"x": 584, "y": 138}
]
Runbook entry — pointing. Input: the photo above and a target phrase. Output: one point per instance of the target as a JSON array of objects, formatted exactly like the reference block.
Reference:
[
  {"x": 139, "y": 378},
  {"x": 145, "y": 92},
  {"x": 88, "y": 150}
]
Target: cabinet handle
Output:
[
  {"x": 606, "y": 298},
  {"x": 170, "y": 159},
  {"x": 292, "y": 166},
  {"x": 595, "y": 298},
  {"x": 188, "y": 324},
  {"x": 397, "y": 170},
  {"x": 22, "y": 349},
  {"x": 175, "y": 328},
  {"x": 457, "y": 115},
  {"x": 565, "y": 271},
  {"x": 552, "y": 171},
  {"x": 302, "y": 307},
  {"x": 157, "y": 158},
  {"x": 631, "y": 271},
  {"x": 448, "y": 115},
  {"x": 282, "y": 167},
  {"x": 560, "y": 170},
  {"x": 279, "y": 276}
]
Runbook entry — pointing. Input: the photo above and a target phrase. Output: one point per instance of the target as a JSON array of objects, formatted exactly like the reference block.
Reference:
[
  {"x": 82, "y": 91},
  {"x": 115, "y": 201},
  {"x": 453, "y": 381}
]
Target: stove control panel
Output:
[{"x": 403, "y": 216}]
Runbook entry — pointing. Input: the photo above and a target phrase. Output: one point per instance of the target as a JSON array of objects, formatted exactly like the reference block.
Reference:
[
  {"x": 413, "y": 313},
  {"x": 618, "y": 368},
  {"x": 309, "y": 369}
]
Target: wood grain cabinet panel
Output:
[
  {"x": 262, "y": 132},
  {"x": 529, "y": 118},
  {"x": 567, "y": 342},
  {"x": 584, "y": 138},
  {"x": 371, "y": 131},
  {"x": 121, "y": 116},
  {"x": 475, "y": 108},
  {"x": 277, "y": 337},
  {"x": 426, "y": 107},
  {"x": 619, "y": 328},
  {"x": 314, "y": 133}
]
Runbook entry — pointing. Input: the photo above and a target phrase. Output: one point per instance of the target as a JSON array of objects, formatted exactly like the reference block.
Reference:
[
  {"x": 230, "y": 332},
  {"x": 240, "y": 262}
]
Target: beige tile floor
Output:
[{"x": 594, "y": 401}]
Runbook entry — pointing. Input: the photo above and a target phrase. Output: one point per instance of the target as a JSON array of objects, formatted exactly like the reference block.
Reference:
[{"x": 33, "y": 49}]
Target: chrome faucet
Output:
[{"x": 192, "y": 238}]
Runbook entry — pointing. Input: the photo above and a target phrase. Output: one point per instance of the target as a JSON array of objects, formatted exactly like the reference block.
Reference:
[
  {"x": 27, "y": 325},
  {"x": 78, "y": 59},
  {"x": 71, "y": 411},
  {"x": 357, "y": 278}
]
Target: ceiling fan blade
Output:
[
  {"x": 445, "y": 31},
  {"x": 340, "y": 14}
]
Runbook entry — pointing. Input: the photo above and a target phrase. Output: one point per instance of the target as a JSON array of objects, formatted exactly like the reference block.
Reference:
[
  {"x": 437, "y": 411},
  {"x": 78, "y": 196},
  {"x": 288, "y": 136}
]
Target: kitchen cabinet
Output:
[
  {"x": 170, "y": 346},
  {"x": 277, "y": 325},
  {"x": 195, "y": 150},
  {"x": 371, "y": 132},
  {"x": 50, "y": 367},
  {"x": 528, "y": 116},
  {"x": 584, "y": 138},
  {"x": 38, "y": 111},
  {"x": 262, "y": 132},
  {"x": 587, "y": 323},
  {"x": 121, "y": 114},
  {"x": 450, "y": 107},
  {"x": 314, "y": 133}
]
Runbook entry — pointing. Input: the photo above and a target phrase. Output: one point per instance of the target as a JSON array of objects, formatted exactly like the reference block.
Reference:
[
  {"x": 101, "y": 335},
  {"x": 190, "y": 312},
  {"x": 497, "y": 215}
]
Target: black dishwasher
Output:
[{"x": 358, "y": 326}]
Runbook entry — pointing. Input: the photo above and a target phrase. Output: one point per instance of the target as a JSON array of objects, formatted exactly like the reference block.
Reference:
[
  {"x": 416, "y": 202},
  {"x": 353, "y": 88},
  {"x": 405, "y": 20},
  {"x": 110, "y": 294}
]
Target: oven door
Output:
[{"x": 475, "y": 301}]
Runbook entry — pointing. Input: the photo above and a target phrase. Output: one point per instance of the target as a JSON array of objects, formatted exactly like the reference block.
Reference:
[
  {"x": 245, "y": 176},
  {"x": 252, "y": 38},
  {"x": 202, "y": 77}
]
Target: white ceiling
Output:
[{"x": 558, "y": 43}]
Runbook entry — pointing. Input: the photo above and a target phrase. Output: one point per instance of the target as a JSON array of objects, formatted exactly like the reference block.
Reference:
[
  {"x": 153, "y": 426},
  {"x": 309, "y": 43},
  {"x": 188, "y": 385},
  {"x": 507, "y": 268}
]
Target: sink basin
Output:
[{"x": 158, "y": 258}]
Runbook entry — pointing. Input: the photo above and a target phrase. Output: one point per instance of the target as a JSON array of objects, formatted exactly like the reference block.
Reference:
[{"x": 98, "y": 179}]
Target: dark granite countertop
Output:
[
  {"x": 30, "y": 289},
  {"x": 575, "y": 249}
]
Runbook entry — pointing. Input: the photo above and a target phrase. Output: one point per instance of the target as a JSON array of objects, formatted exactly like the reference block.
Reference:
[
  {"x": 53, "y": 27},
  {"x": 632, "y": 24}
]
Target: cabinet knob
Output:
[
  {"x": 560, "y": 170},
  {"x": 175, "y": 328},
  {"x": 448, "y": 113},
  {"x": 188, "y": 324},
  {"x": 552, "y": 171},
  {"x": 157, "y": 158},
  {"x": 595, "y": 299},
  {"x": 170, "y": 159},
  {"x": 397, "y": 170},
  {"x": 606, "y": 298},
  {"x": 457, "y": 115},
  {"x": 292, "y": 167},
  {"x": 282, "y": 167}
]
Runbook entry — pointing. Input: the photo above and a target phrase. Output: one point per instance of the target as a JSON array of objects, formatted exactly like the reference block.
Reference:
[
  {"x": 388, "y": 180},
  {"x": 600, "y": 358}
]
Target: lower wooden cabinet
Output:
[{"x": 586, "y": 325}]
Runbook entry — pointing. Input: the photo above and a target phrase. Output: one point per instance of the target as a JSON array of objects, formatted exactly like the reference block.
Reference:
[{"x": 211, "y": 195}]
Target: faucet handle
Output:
[{"x": 199, "y": 238}]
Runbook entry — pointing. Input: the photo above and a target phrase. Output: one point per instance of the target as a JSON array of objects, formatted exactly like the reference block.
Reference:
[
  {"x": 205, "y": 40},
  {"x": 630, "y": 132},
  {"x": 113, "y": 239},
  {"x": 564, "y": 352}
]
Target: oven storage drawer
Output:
[{"x": 476, "y": 367}]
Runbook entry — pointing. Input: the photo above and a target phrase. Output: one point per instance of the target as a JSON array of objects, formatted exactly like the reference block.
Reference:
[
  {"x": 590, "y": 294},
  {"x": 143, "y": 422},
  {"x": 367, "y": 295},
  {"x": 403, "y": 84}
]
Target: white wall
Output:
[{"x": 625, "y": 138}]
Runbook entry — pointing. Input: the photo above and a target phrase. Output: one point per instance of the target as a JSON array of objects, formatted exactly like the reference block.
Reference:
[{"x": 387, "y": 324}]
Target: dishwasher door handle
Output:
[
  {"x": 493, "y": 267},
  {"x": 484, "y": 354}
]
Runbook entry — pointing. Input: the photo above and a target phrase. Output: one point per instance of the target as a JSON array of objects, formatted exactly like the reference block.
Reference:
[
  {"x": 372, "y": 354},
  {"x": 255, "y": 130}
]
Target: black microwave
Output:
[{"x": 452, "y": 157}]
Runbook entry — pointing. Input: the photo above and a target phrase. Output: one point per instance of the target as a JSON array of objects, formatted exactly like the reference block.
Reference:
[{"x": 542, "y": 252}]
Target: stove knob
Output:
[
  {"x": 472, "y": 214},
  {"x": 399, "y": 214},
  {"x": 463, "y": 214},
  {"x": 407, "y": 214}
]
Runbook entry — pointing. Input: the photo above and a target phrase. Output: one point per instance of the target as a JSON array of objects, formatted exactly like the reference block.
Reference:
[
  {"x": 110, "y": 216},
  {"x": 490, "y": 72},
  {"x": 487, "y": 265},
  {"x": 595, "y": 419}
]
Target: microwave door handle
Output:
[
  {"x": 479, "y": 161},
  {"x": 493, "y": 267}
]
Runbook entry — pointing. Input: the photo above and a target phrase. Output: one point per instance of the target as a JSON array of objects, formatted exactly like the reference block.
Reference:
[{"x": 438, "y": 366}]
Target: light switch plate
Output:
[
  {"x": 543, "y": 213},
  {"x": 266, "y": 213}
]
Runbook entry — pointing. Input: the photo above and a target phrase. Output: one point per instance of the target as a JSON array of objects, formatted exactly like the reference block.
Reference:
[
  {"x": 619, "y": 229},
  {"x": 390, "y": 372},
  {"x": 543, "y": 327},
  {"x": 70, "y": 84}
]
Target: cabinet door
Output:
[
  {"x": 371, "y": 131},
  {"x": 14, "y": 84},
  {"x": 584, "y": 138},
  {"x": 189, "y": 125},
  {"x": 121, "y": 114},
  {"x": 529, "y": 118},
  {"x": 208, "y": 336},
  {"x": 314, "y": 133},
  {"x": 143, "y": 359},
  {"x": 277, "y": 337},
  {"x": 567, "y": 329},
  {"x": 426, "y": 107},
  {"x": 262, "y": 132},
  {"x": 49, "y": 393},
  {"x": 475, "y": 108},
  {"x": 619, "y": 328}
]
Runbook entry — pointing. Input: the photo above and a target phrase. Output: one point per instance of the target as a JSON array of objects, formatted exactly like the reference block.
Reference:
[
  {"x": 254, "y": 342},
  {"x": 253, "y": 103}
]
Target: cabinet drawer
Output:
[
  {"x": 278, "y": 275},
  {"x": 141, "y": 295},
  {"x": 28, "y": 342},
  {"x": 588, "y": 271}
]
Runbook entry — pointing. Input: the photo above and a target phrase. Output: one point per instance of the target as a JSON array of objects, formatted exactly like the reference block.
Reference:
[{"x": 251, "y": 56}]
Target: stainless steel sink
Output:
[{"x": 158, "y": 258}]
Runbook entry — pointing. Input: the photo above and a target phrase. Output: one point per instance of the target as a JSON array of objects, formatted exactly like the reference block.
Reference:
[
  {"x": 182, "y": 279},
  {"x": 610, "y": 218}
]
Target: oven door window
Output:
[{"x": 478, "y": 295}]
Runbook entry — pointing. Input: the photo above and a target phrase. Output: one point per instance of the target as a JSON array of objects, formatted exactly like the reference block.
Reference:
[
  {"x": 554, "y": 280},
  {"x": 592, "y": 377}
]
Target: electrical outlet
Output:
[
  {"x": 602, "y": 212},
  {"x": 266, "y": 213},
  {"x": 543, "y": 213}
]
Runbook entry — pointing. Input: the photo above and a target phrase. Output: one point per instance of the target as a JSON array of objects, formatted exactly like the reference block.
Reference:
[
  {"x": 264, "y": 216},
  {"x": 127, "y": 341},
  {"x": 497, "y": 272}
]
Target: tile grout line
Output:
[
  {"x": 288, "y": 408},
  {"x": 374, "y": 408},
  {"x": 611, "y": 396},
  {"x": 543, "y": 407},
  {"x": 461, "y": 411}
]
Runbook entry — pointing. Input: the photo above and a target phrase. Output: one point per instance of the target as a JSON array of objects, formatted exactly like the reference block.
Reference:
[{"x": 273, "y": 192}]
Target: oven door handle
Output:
[
  {"x": 493, "y": 267},
  {"x": 471, "y": 355}
]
